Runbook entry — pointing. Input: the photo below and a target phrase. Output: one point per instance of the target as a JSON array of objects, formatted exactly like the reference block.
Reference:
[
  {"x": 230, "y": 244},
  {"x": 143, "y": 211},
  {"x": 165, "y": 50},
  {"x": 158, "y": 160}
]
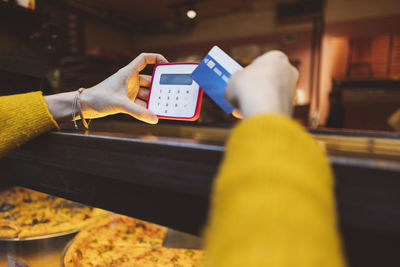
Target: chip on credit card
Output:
[{"x": 213, "y": 73}]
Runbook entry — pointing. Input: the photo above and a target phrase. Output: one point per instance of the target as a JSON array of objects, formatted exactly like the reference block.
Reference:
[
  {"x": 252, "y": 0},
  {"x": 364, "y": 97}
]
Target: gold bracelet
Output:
[{"x": 76, "y": 103}]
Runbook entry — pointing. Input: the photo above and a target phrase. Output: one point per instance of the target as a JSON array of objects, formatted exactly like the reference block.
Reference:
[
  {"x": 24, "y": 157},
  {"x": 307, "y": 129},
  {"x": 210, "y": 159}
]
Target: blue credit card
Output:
[{"x": 213, "y": 73}]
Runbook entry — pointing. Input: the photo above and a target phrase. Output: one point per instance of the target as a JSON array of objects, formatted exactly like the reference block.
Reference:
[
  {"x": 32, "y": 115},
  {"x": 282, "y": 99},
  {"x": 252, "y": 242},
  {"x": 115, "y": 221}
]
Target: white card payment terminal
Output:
[{"x": 173, "y": 94}]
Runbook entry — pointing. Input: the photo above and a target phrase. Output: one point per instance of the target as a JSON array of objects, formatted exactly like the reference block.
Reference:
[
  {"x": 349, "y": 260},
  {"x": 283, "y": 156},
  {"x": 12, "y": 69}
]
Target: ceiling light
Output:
[{"x": 191, "y": 14}]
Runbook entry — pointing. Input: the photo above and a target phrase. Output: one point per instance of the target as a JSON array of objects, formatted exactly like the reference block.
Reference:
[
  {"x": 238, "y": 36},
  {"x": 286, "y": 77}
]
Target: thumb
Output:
[
  {"x": 237, "y": 114},
  {"x": 139, "y": 112}
]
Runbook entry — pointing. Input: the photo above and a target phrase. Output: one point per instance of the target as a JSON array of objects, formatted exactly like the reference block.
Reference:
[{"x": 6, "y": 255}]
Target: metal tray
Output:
[
  {"x": 37, "y": 252},
  {"x": 41, "y": 237},
  {"x": 65, "y": 252}
]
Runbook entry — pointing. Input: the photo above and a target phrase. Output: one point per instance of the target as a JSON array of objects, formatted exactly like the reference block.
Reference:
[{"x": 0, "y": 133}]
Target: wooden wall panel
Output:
[
  {"x": 380, "y": 55},
  {"x": 395, "y": 59}
]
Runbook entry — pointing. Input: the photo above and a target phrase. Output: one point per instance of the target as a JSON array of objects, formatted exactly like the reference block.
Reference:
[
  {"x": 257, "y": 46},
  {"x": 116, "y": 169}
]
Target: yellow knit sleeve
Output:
[
  {"x": 23, "y": 117},
  {"x": 273, "y": 202}
]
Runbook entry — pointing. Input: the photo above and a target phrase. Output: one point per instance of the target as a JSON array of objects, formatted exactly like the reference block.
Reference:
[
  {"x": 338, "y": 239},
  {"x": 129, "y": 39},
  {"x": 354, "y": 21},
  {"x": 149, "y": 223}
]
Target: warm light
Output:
[
  {"x": 191, "y": 14},
  {"x": 27, "y": 3},
  {"x": 300, "y": 97}
]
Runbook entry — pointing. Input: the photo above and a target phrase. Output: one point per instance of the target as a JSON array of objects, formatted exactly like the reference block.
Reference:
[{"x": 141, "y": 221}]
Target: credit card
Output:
[{"x": 213, "y": 74}]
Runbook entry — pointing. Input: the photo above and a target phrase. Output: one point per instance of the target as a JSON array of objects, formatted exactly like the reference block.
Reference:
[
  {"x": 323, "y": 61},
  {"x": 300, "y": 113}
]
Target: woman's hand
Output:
[
  {"x": 126, "y": 91},
  {"x": 265, "y": 86}
]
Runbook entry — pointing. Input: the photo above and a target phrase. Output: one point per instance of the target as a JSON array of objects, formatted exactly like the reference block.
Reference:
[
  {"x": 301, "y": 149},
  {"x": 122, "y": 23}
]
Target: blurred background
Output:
[{"x": 347, "y": 51}]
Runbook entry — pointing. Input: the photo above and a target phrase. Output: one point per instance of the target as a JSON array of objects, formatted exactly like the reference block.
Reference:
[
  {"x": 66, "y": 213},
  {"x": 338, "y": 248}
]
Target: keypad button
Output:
[
  {"x": 167, "y": 97},
  {"x": 176, "y": 105},
  {"x": 166, "y": 105},
  {"x": 159, "y": 97},
  {"x": 166, "y": 111},
  {"x": 177, "y": 98}
]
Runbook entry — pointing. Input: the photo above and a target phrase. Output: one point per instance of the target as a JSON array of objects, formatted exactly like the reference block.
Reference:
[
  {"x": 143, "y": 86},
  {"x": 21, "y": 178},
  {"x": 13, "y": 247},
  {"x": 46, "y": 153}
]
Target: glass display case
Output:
[{"x": 112, "y": 167}]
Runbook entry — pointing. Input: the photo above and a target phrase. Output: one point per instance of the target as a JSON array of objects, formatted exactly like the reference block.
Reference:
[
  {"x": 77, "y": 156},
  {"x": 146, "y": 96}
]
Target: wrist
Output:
[
  {"x": 88, "y": 102},
  {"x": 60, "y": 106},
  {"x": 270, "y": 102}
]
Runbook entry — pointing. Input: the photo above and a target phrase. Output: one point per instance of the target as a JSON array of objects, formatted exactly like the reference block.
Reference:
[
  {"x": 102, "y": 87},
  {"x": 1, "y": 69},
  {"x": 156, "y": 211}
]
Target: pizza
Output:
[
  {"x": 124, "y": 241},
  {"x": 26, "y": 213}
]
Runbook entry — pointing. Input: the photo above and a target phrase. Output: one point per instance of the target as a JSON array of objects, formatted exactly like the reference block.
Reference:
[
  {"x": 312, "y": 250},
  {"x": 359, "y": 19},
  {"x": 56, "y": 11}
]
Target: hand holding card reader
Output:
[{"x": 173, "y": 93}]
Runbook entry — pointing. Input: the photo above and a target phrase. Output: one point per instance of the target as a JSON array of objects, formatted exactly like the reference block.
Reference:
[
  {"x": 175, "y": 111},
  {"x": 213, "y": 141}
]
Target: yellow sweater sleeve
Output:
[
  {"x": 23, "y": 117},
  {"x": 273, "y": 202}
]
